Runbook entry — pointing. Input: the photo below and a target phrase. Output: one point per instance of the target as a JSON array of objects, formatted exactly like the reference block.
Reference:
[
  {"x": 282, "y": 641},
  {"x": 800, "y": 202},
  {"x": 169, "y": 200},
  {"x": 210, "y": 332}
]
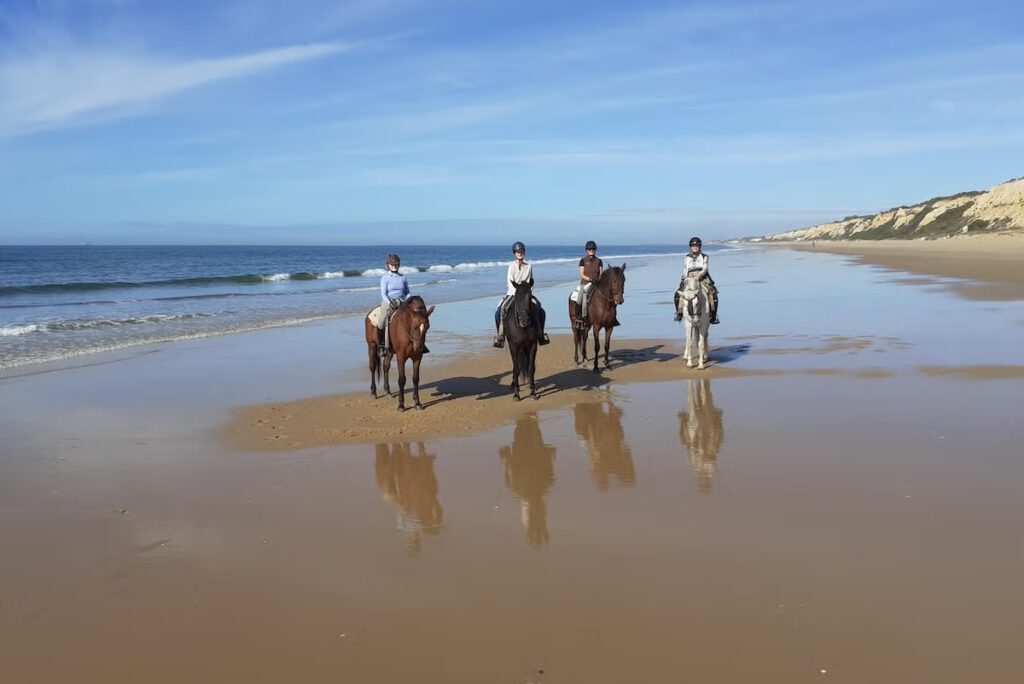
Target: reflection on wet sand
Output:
[
  {"x": 409, "y": 483},
  {"x": 530, "y": 473},
  {"x": 601, "y": 432},
  {"x": 701, "y": 431}
]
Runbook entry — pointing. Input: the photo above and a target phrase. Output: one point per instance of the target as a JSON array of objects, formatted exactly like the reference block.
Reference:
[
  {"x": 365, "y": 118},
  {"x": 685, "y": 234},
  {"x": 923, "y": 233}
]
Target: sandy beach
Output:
[
  {"x": 988, "y": 265},
  {"x": 836, "y": 497}
]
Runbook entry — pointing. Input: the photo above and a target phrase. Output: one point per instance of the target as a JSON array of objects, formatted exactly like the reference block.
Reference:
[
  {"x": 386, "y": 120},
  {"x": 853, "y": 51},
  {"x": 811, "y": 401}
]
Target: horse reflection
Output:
[
  {"x": 409, "y": 483},
  {"x": 701, "y": 431},
  {"x": 530, "y": 474},
  {"x": 601, "y": 431}
]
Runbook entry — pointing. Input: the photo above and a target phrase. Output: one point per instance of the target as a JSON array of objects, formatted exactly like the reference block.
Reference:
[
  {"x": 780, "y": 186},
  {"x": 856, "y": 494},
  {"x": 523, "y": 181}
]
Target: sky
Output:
[{"x": 455, "y": 122}]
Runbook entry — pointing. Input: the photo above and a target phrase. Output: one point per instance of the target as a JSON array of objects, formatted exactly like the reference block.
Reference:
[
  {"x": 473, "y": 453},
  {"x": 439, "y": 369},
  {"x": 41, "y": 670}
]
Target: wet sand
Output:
[
  {"x": 989, "y": 267},
  {"x": 836, "y": 499}
]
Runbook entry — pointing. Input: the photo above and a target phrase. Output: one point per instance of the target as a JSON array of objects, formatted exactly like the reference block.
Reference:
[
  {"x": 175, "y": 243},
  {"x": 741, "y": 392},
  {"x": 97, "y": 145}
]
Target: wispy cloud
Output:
[{"x": 52, "y": 90}]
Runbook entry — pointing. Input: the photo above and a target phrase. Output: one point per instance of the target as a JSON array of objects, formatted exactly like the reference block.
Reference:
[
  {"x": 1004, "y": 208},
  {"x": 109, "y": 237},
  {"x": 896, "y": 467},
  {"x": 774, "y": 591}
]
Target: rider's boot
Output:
[
  {"x": 499, "y": 338},
  {"x": 579, "y": 314},
  {"x": 382, "y": 350},
  {"x": 675, "y": 300},
  {"x": 714, "y": 311}
]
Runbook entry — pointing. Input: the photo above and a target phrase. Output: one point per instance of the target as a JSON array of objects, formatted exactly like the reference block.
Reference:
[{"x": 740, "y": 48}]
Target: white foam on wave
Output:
[
  {"x": 15, "y": 330},
  {"x": 277, "y": 277},
  {"x": 440, "y": 268},
  {"x": 357, "y": 289},
  {"x": 333, "y": 274},
  {"x": 50, "y": 356}
]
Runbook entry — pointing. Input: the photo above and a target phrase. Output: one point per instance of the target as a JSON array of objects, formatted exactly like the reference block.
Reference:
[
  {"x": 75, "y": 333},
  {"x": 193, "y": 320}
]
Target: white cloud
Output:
[{"x": 58, "y": 89}]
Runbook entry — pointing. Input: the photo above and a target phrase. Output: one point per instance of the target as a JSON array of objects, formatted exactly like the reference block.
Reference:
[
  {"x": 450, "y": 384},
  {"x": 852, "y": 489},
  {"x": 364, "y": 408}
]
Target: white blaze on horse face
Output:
[{"x": 423, "y": 327}]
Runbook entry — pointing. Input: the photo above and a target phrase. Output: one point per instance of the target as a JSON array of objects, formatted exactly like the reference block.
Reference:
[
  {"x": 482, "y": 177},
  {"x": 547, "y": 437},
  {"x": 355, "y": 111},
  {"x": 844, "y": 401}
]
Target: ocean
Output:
[{"x": 62, "y": 302}]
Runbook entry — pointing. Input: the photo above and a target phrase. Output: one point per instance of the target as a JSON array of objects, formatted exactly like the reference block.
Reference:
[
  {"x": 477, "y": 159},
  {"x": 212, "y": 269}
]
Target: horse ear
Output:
[
  {"x": 623, "y": 266},
  {"x": 430, "y": 310}
]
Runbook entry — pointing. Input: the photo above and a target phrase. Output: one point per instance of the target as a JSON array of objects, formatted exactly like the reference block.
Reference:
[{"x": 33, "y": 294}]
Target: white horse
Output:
[{"x": 693, "y": 305}]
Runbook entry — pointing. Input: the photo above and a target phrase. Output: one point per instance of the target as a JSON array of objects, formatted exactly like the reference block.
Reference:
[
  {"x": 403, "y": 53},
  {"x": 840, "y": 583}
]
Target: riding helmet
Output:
[
  {"x": 591, "y": 245},
  {"x": 518, "y": 247},
  {"x": 394, "y": 259},
  {"x": 695, "y": 241}
]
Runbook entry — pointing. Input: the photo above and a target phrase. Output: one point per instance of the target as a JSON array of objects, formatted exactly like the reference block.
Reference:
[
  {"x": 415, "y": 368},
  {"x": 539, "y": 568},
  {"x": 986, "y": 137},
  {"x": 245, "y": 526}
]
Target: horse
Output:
[
  {"x": 522, "y": 334},
  {"x": 407, "y": 335},
  {"x": 693, "y": 305},
  {"x": 607, "y": 293}
]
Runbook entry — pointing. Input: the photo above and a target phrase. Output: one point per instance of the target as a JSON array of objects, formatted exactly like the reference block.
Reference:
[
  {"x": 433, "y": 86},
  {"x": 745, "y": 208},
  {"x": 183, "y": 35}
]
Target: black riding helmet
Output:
[
  {"x": 591, "y": 245},
  {"x": 695, "y": 241},
  {"x": 518, "y": 247}
]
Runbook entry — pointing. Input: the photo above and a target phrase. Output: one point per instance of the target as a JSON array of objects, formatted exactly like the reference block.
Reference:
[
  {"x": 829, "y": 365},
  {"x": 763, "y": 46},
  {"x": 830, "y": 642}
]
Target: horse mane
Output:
[{"x": 408, "y": 304}]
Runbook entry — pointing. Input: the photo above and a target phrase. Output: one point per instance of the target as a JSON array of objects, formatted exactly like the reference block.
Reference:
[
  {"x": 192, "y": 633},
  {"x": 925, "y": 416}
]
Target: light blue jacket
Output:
[{"x": 393, "y": 286}]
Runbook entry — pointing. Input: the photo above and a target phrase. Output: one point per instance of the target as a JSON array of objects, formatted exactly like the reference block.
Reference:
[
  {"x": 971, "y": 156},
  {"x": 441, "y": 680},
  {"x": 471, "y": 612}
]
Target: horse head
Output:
[
  {"x": 693, "y": 295},
  {"x": 418, "y": 322},
  {"x": 617, "y": 277},
  {"x": 521, "y": 302}
]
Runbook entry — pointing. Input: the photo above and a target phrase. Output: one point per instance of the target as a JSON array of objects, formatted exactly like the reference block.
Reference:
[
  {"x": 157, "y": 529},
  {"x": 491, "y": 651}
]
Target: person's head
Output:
[
  {"x": 393, "y": 262},
  {"x": 694, "y": 245},
  {"x": 518, "y": 250},
  {"x": 591, "y": 247}
]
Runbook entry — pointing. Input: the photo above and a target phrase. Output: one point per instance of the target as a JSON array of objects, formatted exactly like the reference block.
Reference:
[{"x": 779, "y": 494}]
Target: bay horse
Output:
[
  {"x": 693, "y": 305},
  {"x": 522, "y": 334},
  {"x": 407, "y": 336},
  {"x": 606, "y": 295}
]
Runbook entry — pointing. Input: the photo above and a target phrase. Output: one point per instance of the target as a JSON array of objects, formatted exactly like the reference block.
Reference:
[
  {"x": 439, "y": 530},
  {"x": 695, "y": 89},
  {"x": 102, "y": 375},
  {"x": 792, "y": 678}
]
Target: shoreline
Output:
[{"x": 989, "y": 266}]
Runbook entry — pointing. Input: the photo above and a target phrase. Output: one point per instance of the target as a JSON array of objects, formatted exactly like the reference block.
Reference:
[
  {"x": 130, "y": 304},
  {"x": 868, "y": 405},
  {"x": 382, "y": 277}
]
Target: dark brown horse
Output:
[
  {"x": 407, "y": 336},
  {"x": 608, "y": 292},
  {"x": 522, "y": 334}
]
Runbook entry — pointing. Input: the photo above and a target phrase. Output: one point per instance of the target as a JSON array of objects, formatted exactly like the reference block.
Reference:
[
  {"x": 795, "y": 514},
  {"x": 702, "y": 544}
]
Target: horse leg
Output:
[
  {"x": 401, "y": 383},
  {"x": 688, "y": 343},
  {"x": 575, "y": 344},
  {"x": 387, "y": 372},
  {"x": 607, "y": 346},
  {"x": 597, "y": 344},
  {"x": 532, "y": 356},
  {"x": 416, "y": 383},
  {"x": 515, "y": 373},
  {"x": 373, "y": 369}
]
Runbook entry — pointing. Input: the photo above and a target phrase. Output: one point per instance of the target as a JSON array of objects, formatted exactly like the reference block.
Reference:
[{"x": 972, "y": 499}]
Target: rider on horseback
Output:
[
  {"x": 394, "y": 289},
  {"x": 590, "y": 272},
  {"x": 518, "y": 272},
  {"x": 697, "y": 260}
]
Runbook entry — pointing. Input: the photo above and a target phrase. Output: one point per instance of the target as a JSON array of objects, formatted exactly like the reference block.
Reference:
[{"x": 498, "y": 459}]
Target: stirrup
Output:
[
  {"x": 544, "y": 339},
  {"x": 715, "y": 321},
  {"x": 678, "y": 317},
  {"x": 499, "y": 342}
]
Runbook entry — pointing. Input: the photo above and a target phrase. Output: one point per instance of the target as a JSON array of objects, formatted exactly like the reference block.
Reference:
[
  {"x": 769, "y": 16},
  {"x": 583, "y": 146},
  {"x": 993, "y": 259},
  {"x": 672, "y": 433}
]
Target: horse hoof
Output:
[
  {"x": 401, "y": 408},
  {"x": 689, "y": 365},
  {"x": 516, "y": 397},
  {"x": 419, "y": 407},
  {"x": 535, "y": 397}
]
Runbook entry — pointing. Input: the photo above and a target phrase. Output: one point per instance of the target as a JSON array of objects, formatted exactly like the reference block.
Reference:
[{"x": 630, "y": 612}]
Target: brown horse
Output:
[
  {"x": 407, "y": 336},
  {"x": 608, "y": 292}
]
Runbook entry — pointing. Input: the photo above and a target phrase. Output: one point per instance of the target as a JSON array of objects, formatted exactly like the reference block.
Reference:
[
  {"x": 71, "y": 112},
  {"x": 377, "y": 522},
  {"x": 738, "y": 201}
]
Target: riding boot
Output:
[
  {"x": 499, "y": 338},
  {"x": 675, "y": 301},
  {"x": 382, "y": 349},
  {"x": 579, "y": 313},
  {"x": 714, "y": 311}
]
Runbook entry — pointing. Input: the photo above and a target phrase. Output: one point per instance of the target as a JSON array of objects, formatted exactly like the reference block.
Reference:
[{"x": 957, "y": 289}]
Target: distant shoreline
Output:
[{"x": 990, "y": 264}]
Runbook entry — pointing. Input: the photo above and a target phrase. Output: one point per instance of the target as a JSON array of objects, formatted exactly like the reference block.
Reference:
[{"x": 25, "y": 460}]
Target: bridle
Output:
[{"x": 611, "y": 295}]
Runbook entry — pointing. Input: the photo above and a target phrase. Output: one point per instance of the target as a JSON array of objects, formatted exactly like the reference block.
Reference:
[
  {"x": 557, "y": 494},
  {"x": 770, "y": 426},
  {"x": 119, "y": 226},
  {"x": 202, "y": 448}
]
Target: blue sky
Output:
[{"x": 144, "y": 121}]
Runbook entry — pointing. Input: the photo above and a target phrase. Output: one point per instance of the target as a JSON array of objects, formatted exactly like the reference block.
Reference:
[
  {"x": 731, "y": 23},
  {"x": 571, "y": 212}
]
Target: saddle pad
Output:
[
  {"x": 374, "y": 316},
  {"x": 574, "y": 296}
]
